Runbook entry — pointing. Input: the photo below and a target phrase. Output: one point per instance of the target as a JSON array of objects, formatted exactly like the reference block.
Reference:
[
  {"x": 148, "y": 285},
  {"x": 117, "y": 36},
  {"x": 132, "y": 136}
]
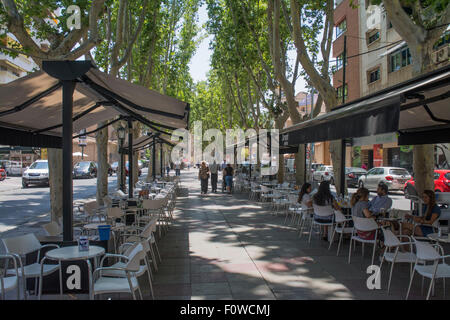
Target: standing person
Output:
[
  {"x": 228, "y": 174},
  {"x": 203, "y": 176},
  {"x": 168, "y": 169},
  {"x": 213, "y": 168},
  {"x": 224, "y": 164},
  {"x": 177, "y": 168}
]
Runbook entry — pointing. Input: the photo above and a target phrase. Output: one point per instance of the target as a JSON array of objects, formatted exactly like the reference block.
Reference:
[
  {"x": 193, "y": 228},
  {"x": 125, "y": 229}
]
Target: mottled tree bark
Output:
[
  {"x": 101, "y": 140},
  {"x": 56, "y": 182}
]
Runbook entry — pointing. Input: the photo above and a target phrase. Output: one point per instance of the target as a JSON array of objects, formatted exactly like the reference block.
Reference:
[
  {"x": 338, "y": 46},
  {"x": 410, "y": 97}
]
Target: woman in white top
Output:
[{"x": 304, "y": 196}]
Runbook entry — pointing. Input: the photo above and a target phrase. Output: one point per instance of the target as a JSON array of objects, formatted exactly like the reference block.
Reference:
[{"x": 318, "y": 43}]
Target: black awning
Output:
[{"x": 418, "y": 109}]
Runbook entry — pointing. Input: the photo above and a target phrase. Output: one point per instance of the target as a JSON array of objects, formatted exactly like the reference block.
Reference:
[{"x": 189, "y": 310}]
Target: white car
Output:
[
  {"x": 11, "y": 167},
  {"x": 37, "y": 173},
  {"x": 324, "y": 173}
]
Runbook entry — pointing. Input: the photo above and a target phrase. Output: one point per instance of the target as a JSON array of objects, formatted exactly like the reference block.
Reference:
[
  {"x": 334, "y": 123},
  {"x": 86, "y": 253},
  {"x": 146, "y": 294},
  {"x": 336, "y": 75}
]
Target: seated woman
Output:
[
  {"x": 323, "y": 197},
  {"x": 304, "y": 197},
  {"x": 360, "y": 208},
  {"x": 430, "y": 213}
]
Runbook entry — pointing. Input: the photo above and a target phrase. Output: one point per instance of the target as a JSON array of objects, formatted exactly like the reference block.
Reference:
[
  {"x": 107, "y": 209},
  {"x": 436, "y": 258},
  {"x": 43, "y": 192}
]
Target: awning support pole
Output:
[
  {"x": 154, "y": 159},
  {"x": 342, "y": 173},
  {"x": 67, "y": 192},
  {"x": 130, "y": 158},
  {"x": 161, "y": 158}
]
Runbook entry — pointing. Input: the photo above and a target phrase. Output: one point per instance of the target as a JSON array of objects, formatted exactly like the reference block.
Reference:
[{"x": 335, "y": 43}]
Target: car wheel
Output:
[
  {"x": 437, "y": 190},
  {"x": 24, "y": 185},
  {"x": 361, "y": 184},
  {"x": 405, "y": 191}
]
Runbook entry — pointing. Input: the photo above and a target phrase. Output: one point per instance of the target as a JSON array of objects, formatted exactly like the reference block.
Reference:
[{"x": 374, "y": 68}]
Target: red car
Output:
[
  {"x": 2, "y": 174},
  {"x": 441, "y": 181}
]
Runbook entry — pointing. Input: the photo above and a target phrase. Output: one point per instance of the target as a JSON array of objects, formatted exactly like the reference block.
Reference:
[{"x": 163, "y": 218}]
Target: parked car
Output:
[
  {"x": 324, "y": 173},
  {"x": 12, "y": 167},
  {"x": 37, "y": 173},
  {"x": 85, "y": 169},
  {"x": 441, "y": 181},
  {"x": 352, "y": 175},
  {"x": 2, "y": 174},
  {"x": 110, "y": 170},
  {"x": 126, "y": 169},
  {"x": 395, "y": 178},
  {"x": 114, "y": 166}
]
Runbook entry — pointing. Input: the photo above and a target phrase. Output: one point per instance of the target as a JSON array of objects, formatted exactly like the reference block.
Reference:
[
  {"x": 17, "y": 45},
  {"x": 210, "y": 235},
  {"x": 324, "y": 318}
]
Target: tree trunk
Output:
[
  {"x": 335, "y": 151},
  {"x": 136, "y": 134},
  {"x": 56, "y": 182},
  {"x": 101, "y": 140},
  {"x": 423, "y": 166}
]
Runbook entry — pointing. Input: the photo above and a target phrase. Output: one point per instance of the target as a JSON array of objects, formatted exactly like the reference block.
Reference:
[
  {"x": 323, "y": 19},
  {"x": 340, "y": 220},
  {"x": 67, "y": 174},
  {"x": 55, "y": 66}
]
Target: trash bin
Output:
[{"x": 103, "y": 232}]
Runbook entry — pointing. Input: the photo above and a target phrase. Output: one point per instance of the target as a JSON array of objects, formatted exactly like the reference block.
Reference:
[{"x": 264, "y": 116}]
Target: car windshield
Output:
[
  {"x": 82, "y": 164},
  {"x": 39, "y": 165},
  {"x": 399, "y": 172}
]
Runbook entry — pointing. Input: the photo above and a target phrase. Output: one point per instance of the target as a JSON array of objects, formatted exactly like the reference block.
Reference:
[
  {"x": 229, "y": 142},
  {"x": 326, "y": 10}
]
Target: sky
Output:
[{"x": 200, "y": 63}]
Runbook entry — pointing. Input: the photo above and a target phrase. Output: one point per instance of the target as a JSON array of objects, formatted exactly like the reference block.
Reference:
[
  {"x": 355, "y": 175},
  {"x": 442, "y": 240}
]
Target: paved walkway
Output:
[{"x": 228, "y": 247}]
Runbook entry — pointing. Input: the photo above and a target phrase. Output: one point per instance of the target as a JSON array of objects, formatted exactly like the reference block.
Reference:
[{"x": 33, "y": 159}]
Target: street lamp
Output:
[
  {"x": 121, "y": 135},
  {"x": 82, "y": 142}
]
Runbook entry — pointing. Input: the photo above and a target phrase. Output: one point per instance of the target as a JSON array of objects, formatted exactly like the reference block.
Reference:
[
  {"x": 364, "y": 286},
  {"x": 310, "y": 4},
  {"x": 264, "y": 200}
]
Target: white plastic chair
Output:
[
  {"x": 266, "y": 193},
  {"x": 255, "y": 190},
  {"x": 391, "y": 241},
  {"x": 307, "y": 216},
  {"x": 340, "y": 227},
  {"x": 426, "y": 252},
  {"x": 12, "y": 282},
  {"x": 126, "y": 281},
  {"x": 23, "y": 245},
  {"x": 278, "y": 201},
  {"x": 363, "y": 224},
  {"x": 293, "y": 208},
  {"x": 321, "y": 211}
]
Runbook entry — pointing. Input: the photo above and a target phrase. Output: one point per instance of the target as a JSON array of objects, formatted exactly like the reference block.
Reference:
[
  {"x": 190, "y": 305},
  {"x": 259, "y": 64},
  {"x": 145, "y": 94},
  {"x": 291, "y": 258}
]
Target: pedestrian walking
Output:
[
  {"x": 168, "y": 169},
  {"x": 228, "y": 173},
  {"x": 177, "y": 168},
  {"x": 213, "y": 168},
  {"x": 203, "y": 176}
]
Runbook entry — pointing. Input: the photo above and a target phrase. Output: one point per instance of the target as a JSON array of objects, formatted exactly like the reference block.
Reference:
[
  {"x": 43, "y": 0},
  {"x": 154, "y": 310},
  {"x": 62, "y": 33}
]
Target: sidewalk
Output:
[{"x": 228, "y": 247}]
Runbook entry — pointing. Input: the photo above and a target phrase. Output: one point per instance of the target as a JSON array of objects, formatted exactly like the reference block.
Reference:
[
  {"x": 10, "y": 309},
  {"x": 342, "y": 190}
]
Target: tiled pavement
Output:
[{"x": 228, "y": 247}]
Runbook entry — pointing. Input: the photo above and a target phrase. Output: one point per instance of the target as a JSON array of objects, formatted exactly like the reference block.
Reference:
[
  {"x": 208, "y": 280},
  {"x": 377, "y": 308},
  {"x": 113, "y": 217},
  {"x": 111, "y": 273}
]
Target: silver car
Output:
[
  {"x": 394, "y": 178},
  {"x": 324, "y": 173}
]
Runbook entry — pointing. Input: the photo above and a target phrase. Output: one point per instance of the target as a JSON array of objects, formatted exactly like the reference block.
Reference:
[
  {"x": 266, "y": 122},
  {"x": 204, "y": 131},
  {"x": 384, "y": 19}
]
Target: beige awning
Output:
[{"x": 32, "y": 105}]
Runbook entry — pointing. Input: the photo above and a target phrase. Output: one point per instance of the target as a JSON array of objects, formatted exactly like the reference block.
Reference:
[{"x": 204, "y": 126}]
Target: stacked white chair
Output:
[{"x": 126, "y": 279}]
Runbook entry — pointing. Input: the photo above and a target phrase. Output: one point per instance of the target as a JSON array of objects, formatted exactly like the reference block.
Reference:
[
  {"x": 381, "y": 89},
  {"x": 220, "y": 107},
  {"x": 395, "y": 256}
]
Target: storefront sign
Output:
[{"x": 378, "y": 139}]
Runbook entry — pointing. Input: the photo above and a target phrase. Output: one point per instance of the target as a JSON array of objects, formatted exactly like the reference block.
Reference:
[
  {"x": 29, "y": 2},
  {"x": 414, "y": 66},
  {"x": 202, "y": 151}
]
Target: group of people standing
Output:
[
  {"x": 212, "y": 170},
  {"x": 381, "y": 203}
]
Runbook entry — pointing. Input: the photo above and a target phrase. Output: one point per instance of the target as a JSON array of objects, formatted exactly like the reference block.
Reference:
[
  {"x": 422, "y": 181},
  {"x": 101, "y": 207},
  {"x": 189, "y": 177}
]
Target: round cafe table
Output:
[{"x": 72, "y": 253}]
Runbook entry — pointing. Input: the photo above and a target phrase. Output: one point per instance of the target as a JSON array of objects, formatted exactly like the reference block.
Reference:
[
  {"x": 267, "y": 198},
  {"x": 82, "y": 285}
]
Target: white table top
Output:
[
  {"x": 94, "y": 226},
  {"x": 434, "y": 236},
  {"x": 72, "y": 253}
]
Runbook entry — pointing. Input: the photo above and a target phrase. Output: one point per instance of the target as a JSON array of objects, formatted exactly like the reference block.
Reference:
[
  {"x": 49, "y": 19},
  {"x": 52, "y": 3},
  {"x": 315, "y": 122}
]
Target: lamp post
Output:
[
  {"x": 82, "y": 142},
  {"x": 121, "y": 136}
]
